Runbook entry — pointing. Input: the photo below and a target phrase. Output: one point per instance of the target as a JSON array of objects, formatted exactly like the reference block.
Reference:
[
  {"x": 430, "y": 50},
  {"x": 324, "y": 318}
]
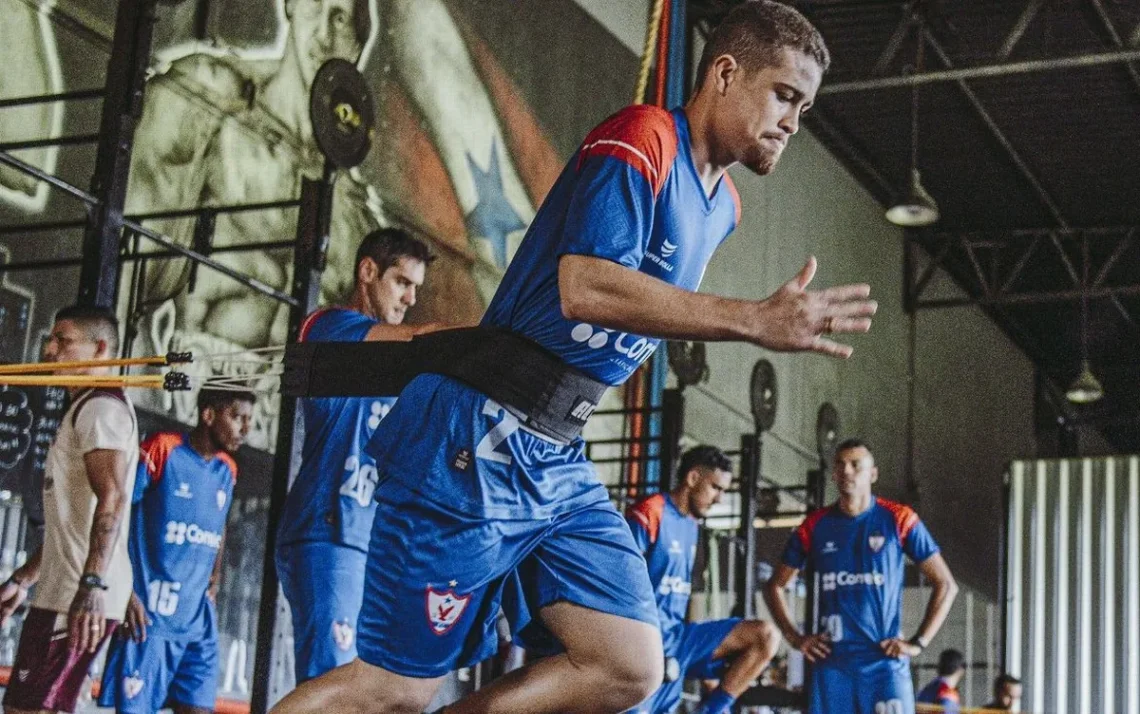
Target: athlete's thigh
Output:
[
  {"x": 195, "y": 682},
  {"x": 832, "y": 690},
  {"x": 699, "y": 642},
  {"x": 137, "y": 675},
  {"x": 587, "y": 557},
  {"x": 433, "y": 584},
  {"x": 887, "y": 689}
]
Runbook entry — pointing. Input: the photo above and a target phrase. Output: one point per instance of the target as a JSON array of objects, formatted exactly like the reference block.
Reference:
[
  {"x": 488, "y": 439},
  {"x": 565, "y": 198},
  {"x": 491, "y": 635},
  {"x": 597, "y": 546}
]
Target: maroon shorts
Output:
[{"x": 47, "y": 674}]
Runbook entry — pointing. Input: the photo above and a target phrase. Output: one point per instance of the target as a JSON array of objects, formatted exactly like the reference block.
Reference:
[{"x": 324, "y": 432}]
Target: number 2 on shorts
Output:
[{"x": 488, "y": 445}]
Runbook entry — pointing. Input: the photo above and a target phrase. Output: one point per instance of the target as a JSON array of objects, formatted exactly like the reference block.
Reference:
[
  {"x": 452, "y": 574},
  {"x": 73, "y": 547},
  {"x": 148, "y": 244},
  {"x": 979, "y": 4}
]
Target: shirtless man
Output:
[{"x": 219, "y": 129}]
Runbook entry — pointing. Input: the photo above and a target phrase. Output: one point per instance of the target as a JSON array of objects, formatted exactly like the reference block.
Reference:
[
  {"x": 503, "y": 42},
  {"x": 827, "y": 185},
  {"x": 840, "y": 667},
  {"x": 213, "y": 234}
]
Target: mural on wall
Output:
[
  {"x": 30, "y": 59},
  {"x": 230, "y": 126},
  {"x": 461, "y": 156}
]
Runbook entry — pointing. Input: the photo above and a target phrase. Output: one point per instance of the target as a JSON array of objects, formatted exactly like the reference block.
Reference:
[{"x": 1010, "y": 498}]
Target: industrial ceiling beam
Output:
[
  {"x": 1003, "y": 69},
  {"x": 1019, "y": 28},
  {"x": 1114, "y": 39}
]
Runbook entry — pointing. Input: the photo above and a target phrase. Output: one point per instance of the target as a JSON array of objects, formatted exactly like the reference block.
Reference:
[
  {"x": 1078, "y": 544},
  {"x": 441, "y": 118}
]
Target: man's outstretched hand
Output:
[{"x": 795, "y": 319}]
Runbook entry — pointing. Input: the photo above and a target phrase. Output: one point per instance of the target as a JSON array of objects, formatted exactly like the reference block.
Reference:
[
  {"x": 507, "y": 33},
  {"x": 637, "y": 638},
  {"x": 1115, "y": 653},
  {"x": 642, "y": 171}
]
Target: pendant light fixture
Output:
[
  {"x": 1086, "y": 388},
  {"x": 916, "y": 208}
]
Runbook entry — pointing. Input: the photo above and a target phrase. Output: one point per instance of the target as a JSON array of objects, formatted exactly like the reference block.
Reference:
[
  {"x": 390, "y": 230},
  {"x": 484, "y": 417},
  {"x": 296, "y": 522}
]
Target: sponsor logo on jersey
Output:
[
  {"x": 180, "y": 533},
  {"x": 183, "y": 490},
  {"x": 377, "y": 412},
  {"x": 662, "y": 261},
  {"x": 675, "y": 547},
  {"x": 829, "y": 547},
  {"x": 629, "y": 346},
  {"x": 876, "y": 541},
  {"x": 674, "y": 585},
  {"x": 444, "y": 607},
  {"x": 132, "y": 685},
  {"x": 831, "y": 581},
  {"x": 343, "y": 635}
]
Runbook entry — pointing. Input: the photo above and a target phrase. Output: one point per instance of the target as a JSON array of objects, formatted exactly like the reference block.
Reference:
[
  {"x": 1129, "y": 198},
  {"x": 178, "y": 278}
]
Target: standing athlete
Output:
[
  {"x": 482, "y": 513},
  {"x": 857, "y": 546},
  {"x": 182, "y": 496},
  {"x": 323, "y": 537},
  {"x": 733, "y": 650}
]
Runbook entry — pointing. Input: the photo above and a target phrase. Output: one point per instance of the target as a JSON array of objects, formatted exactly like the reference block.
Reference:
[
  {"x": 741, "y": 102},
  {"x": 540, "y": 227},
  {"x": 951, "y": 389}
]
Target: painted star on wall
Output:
[{"x": 493, "y": 218}]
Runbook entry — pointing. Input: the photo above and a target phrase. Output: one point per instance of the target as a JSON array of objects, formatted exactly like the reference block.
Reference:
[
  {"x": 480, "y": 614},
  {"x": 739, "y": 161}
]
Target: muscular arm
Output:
[
  {"x": 778, "y": 604},
  {"x": 814, "y": 647},
  {"x": 106, "y": 469},
  {"x": 603, "y": 293},
  {"x": 942, "y": 595}
]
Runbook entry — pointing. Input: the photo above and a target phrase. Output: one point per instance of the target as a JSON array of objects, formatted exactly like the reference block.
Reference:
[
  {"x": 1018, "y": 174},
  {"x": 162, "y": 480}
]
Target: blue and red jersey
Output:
[
  {"x": 331, "y": 498},
  {"x": 860, "y": 562},
  {"x": 631, "y": 195},
  {"x": 668, "y": 540},
  {"x": 181, "y": 501},
  {"x": 941, "y": 693}
]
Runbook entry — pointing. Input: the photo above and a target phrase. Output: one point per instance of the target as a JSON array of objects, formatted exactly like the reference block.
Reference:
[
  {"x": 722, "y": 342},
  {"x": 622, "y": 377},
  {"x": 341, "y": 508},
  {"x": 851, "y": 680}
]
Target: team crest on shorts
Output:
[
  {"x": 444, "y": 608},
  {"x": 132, "y": 685},
  {"x": 876, "y": 541},
  {"x": 343, "y": 635}
]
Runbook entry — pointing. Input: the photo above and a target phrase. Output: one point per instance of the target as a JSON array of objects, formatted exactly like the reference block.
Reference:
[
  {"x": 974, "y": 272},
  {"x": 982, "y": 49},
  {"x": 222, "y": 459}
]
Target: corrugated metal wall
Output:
[{"x": 1073, "y": 584}]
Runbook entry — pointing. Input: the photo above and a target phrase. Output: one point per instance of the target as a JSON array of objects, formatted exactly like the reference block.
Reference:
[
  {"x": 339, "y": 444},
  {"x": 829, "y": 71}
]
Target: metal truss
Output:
[{"x": 1066, "y": 268}]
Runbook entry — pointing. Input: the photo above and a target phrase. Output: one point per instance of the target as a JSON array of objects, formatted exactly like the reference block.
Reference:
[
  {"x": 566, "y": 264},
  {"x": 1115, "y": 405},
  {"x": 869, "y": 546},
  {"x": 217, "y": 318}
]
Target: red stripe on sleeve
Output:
[
  {"x": 643, "y": 136},
  {"x": 311, "y": 320},
  {"x": 807, "y": 527},
  {"x": 155, "y": 450},
  {"x": 905, "y": 517},
  {"x": 648, "y": 513}
]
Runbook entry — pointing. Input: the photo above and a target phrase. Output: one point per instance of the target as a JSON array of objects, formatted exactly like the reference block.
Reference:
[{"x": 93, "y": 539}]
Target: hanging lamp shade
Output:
[
  {"x": 916, "y": 209},
  {"x": 1086, "y": 388}
]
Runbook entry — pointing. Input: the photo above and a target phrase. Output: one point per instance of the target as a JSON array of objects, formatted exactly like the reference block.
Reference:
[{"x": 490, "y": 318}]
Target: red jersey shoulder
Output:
[
  {"x": 643, "y": 136},
  {"x": 156, "y": 449},
  {"x": 307, "y": 325},
  {"x": 648, "y": 512},
  {"x": 807, "y": 527},
  {"x": 229, "y": 462},
  {"x": 904, "y": 516}
]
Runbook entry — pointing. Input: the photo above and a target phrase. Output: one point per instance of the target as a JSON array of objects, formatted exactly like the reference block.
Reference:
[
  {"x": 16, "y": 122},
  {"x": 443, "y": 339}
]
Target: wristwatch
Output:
[
  {"x": 918, "y": 642},
  {"x": 92, "y": 581}
]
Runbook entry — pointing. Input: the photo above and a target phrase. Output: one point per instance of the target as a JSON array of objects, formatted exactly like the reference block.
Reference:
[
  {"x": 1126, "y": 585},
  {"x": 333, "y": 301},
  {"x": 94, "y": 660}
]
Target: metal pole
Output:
[
  {"x": 983, "y": 72},
  {"x": 308, "y": 262},
  {"x": 750, "y": 445},
  {"x": 672, "y": 426},
  {"x": 122, "y": 107}
]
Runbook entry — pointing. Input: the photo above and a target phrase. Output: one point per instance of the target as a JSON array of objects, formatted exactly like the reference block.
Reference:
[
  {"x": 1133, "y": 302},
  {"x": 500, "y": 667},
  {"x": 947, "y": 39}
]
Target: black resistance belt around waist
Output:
[{"x": 548, "y": 395}]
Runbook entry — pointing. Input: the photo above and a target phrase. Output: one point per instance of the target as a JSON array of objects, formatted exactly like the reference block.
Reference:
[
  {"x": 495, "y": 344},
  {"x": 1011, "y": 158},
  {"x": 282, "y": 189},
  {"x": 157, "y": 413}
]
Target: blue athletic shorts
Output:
[
  {"x": 143, "y": 677},
  {"x": 693, "y": 653},
  {"x": 324, "y": 584},
  {"x": 436, "y": 579},
  {"x": 882, "y": 687}
]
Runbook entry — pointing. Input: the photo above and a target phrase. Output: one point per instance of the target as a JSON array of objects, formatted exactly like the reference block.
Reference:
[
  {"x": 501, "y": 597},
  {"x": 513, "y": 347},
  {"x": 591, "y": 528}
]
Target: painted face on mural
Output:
[
  {"x": 390, "y": 294},
  {"x": 762, "y": 109},
  {"x": 322, "y": 30}
]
